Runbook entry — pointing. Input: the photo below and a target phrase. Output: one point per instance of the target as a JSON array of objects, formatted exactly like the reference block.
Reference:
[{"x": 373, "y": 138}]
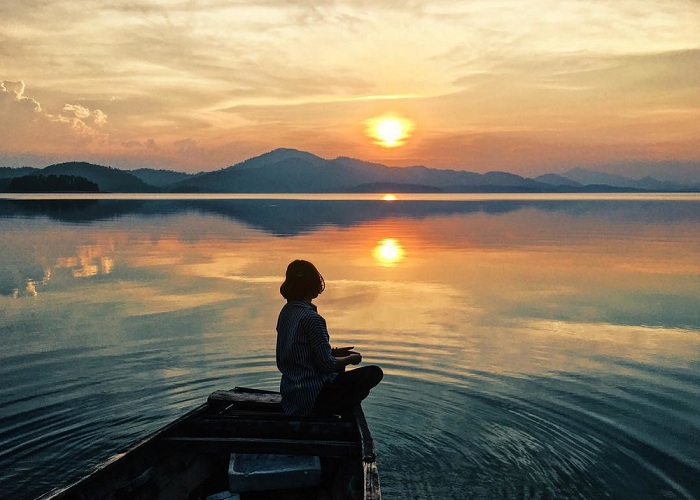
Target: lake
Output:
[{"x": 533, "y": 346}]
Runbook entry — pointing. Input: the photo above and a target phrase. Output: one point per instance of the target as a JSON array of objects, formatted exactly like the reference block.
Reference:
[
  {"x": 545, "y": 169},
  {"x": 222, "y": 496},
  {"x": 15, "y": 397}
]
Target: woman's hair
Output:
[{"x": 302, "y": 281}]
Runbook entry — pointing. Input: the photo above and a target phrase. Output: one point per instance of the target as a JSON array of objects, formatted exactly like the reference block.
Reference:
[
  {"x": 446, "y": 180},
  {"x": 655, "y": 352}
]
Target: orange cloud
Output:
[{"x": 24, "y": 123}]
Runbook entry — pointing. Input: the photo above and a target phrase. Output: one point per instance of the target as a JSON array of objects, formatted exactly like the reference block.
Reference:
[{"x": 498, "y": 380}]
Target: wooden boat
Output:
[{"x": 194, "y": 457}]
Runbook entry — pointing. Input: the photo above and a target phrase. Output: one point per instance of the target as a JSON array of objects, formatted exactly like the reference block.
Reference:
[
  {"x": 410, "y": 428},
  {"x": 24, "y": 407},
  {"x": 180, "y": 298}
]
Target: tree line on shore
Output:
[{"x": 52, "y": 184}]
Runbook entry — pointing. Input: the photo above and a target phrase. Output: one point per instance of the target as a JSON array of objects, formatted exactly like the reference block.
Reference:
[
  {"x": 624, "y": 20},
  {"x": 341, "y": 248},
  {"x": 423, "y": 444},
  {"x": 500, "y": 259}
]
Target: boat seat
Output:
[
  {"x": 253, "y": 422},
  {"x": 252, "y": 402},
  {"x": 263, "y": 401}
]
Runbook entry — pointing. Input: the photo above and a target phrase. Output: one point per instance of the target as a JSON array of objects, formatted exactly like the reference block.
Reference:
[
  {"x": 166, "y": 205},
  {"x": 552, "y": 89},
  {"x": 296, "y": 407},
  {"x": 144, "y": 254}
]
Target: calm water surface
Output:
[{"x": 533, "y": 347}]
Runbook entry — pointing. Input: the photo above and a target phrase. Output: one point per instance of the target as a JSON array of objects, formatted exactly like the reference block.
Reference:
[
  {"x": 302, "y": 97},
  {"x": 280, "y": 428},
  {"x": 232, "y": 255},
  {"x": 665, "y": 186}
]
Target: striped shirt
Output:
[{"x": 303, "y": 356}]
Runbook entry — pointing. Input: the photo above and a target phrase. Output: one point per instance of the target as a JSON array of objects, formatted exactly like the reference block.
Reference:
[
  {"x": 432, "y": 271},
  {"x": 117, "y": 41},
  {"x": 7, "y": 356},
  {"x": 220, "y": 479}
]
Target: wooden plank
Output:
[
  {"x": 368, "y": 451},
  {"x": 233, "y": 412},
  {"x": 259, "y": 401},
  {"x": 262, "y": 427},
  {"x": 252, "y": 390},
  {"x": 246, "y": 397},
  {"x": 274, "y": 446},
  {"x": 371, "y": 478}
]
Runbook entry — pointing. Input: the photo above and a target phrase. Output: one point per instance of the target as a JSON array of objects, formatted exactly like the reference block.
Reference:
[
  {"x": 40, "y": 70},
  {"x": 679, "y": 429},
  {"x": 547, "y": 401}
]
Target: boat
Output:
[{"x": 239, "y": 444}]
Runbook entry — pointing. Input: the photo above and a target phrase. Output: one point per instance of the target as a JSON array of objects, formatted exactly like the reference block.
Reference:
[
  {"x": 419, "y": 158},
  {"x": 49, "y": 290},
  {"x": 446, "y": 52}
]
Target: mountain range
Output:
[{"x": 293, "y": 171}]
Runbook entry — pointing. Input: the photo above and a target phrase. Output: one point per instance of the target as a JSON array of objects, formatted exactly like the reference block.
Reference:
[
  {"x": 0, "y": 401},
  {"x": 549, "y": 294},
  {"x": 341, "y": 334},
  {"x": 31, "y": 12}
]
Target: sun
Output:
[{"x": 389, "y": 131}]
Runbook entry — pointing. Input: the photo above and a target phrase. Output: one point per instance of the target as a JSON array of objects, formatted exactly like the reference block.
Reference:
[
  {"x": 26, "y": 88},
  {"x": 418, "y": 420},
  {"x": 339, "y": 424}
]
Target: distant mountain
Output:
[
  {"x": 504, "y": 181},
  {"x": 11, "y": 173},
  {"x": 281, "y": 170},
  {"x": 558, "y": 180},
  {"x": 587, "y": 177},
  {"x": 685, "y": 173},
  {"x": 416, "y": 175},
  {"x": 293, "y": 171},
  {"x": 7, "y": 174},
  {"x": 286, "y": 170},
  {"x": 278, "y": 155},
  {"x": 108, "y": 179},
  {"x": 160, "y": 178},
  {"x": 390, "y": 187}
]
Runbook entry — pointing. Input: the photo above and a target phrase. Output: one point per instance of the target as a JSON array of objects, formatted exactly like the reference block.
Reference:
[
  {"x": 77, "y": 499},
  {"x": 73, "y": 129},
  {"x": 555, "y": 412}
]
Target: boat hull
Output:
[{"x": 191, "y": 457}]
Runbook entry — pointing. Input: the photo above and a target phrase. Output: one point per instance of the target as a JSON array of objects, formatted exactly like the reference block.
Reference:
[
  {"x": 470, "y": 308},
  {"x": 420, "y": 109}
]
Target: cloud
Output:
[
  {"x": 83, "y": 114},
  {"x": 26, "y": 126},
  {"x": 147, "y": 145},
  {"x": 187, "y": 146},
  {"x": 16, "y": 87},
  {"x": 12, "y": 99}
]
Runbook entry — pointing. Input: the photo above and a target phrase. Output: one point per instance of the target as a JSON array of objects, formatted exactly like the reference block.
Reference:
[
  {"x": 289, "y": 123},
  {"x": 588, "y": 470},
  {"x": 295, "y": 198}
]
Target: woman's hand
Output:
[
  {"x": 353, "y": 358},
  {"x": 340, "y": 352}
]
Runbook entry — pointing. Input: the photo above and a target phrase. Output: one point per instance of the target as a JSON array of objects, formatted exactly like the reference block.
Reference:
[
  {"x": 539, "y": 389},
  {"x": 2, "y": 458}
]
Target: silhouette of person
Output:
[{"x": 314, "y": 379}]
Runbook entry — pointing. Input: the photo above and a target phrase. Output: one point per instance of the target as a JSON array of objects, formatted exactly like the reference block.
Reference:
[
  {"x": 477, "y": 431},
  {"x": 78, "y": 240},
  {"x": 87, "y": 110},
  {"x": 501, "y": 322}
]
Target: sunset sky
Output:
[{"x": 528, "y": 86}]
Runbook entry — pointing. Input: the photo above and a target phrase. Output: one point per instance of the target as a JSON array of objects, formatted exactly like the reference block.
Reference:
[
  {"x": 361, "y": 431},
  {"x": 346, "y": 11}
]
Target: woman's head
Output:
[{"x": 302, "y": 281}]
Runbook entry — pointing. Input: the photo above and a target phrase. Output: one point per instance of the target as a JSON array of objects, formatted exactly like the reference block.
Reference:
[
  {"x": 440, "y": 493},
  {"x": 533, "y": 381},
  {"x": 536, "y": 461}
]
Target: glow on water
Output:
[{"x": 533, "y": 347}]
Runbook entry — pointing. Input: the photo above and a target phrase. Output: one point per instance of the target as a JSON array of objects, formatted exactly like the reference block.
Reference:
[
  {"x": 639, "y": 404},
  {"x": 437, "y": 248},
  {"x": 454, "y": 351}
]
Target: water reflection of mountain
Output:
[
  {"x": 284, "y": 217},
  {"x": 279, "y": 217}
]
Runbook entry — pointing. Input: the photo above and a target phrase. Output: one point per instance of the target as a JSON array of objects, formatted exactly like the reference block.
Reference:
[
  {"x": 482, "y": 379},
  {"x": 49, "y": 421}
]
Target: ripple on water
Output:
[
  {"x": 447, "y": 433},
  {"x": 442, "y": 431},
  {"x": 59, "y": 418}
]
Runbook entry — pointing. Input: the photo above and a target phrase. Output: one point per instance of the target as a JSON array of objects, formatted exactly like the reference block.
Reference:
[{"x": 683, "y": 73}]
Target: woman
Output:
[{"x": 313, "y": 375}]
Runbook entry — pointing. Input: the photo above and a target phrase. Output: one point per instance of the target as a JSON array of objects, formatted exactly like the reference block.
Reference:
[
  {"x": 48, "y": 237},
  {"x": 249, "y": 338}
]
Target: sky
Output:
[{"x": 527, "y": 86}]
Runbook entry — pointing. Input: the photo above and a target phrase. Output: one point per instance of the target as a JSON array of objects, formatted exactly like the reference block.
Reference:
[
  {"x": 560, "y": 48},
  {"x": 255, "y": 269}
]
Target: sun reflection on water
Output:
[{"x": 388, "y": 252}]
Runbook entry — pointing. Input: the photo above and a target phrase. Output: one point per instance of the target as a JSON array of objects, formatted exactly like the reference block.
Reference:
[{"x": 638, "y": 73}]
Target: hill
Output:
[
  {"x": 558, "y": 180},
  {"x": 674, "y": 172},
  {"x": 11, "y": 173},
  {"x": 108, "y": 179},
  {"x": 586, "y": 177},
  {"x": 160, "y": 178},
  {"x": 51, "y": 184},
  {"x": 294, "y": 171}
]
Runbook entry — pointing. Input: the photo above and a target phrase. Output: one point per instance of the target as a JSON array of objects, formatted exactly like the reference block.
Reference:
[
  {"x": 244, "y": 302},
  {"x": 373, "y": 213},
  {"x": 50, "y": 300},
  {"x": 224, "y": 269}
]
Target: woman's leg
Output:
[{"x": 348, "y": 389}]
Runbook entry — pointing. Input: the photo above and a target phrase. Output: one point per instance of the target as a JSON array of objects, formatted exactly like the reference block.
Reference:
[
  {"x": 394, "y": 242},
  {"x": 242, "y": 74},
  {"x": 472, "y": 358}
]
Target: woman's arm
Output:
[
  {"x": 314, "y": 327},
  {"x": 352, "y": 359}
]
